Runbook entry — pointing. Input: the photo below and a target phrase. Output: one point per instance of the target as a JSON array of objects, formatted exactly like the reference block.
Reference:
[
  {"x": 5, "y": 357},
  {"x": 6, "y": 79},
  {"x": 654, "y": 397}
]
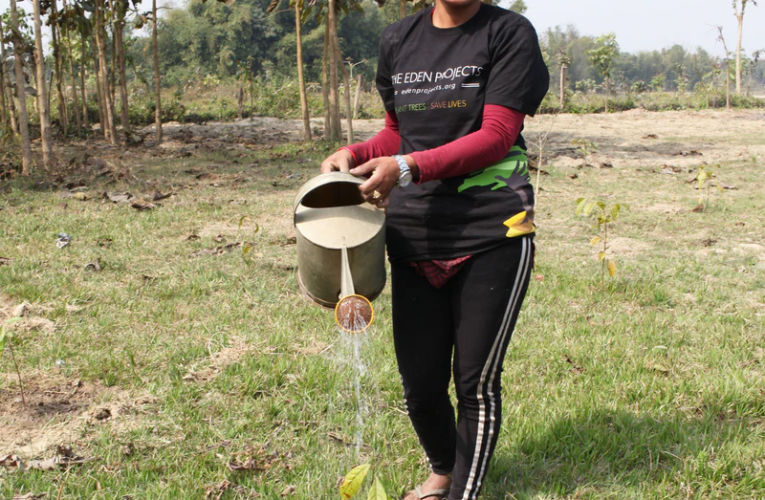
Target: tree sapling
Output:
[{"x": 604, "y": 217}]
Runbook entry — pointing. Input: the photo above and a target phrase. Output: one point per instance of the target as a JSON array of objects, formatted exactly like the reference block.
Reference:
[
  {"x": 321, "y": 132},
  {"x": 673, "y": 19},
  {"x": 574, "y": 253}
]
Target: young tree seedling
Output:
[
  {"x": 704, "y": 184},
  {"x": 604, "y": 217},
  {"x": 5, "y": 337},
  {"x": 354, "y": 480},
  {"x": 585, "y": 148}
]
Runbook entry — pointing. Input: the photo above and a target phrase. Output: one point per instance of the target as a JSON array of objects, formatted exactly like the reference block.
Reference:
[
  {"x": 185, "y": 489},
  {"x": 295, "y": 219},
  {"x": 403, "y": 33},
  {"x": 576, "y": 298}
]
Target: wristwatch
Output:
[{"x": 405, "y": 177}]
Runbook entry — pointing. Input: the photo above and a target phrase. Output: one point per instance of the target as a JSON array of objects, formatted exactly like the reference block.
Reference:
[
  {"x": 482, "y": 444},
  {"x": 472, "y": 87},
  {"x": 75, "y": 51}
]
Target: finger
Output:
[
  {"x": 328, "y": 166},
  {"x": 370, "y": 186},
  {"x": 343, "y": 164},
  {"x": 365, "y": 168},
  {"x": 383, "y": 203}
]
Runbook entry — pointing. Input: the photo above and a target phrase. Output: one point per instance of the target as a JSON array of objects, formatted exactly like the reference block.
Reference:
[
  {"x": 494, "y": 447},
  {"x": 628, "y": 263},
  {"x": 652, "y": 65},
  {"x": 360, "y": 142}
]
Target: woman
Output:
[{"x": 450, "y": 165}]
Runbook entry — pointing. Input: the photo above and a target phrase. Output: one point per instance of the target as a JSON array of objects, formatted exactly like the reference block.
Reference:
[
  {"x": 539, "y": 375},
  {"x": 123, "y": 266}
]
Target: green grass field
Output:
[{"x": 174, "y": 367}]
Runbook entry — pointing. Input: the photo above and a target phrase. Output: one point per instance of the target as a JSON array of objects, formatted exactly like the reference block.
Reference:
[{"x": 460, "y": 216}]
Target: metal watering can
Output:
[{"x": 341, "y": 248}]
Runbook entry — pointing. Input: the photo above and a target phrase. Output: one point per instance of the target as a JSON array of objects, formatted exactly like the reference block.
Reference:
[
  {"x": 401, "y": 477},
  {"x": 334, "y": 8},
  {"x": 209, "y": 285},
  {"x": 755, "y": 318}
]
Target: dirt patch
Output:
[
  {"x": 57, "y": 411},
  {"x": 27, "y": 316},
  {"x": 665, "y": 208},
  {"x": 217, "y": 362},
  {"x": 628, "y": 246}
]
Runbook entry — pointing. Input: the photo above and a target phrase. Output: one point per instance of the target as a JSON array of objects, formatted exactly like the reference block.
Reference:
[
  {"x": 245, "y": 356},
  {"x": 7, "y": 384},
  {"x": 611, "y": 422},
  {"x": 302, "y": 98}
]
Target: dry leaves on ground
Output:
[
  {"x": 219, "y": 250},
  {"x": 48, "y": 464}
]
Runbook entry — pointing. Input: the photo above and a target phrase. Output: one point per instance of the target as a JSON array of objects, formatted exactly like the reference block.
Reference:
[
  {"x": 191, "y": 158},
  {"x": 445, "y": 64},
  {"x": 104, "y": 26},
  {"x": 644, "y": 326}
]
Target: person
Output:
[{"x": 450, "y": 168}]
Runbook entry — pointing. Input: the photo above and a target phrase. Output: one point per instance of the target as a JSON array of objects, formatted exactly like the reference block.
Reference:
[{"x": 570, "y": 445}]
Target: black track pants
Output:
[{"x": 471, "y": 317}]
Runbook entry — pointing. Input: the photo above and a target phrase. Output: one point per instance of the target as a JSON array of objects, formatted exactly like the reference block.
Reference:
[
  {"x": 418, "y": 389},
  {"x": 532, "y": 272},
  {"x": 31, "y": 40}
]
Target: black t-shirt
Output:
[{"x": 437, "y": 81}]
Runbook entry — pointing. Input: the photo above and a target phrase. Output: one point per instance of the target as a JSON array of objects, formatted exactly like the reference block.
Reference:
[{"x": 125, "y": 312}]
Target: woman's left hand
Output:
[{"x": 385, "y": 173}]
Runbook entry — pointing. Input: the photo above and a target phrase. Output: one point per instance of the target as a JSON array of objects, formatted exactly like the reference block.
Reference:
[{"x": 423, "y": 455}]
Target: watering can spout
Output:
[{"x": 353, "y": 313}]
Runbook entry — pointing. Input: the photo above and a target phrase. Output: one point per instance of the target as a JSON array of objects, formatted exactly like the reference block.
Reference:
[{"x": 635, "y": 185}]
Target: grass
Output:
[{"x": 215, "y": 359}]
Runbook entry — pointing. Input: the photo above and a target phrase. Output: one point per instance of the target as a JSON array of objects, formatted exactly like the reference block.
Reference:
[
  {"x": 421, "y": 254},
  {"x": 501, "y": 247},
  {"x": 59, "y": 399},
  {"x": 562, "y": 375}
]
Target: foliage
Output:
[
  {"x": 704, "y": 183},
  {"x": 585, "y": 148},
  {"x": 604, "y": 216},
  {"x": 519, "y": 6}
]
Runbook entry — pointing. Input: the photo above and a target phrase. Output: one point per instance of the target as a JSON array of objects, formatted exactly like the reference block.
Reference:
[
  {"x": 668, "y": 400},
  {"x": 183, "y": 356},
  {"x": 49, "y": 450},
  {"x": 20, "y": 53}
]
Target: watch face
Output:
[{"x": 405, "y": 179}]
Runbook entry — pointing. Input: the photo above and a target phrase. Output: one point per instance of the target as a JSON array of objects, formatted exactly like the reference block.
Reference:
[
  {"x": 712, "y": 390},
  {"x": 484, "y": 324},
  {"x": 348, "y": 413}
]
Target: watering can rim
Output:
[{"x": 321, "y": 180}]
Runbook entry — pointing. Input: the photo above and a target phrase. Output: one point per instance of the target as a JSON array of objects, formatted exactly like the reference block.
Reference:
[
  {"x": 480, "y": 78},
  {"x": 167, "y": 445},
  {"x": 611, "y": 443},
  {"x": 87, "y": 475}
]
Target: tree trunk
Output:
[
  {"x": 73, "y": 75},
  {"x": 18, "y": 51},
  {"x": 103, "y": 71},
  {"x": 740, "y": 18},
  {"x": 301, "y": 76},
  {"x": 119, "y": 49},
  {"x": 608, "y": 92},
  {"x": 240, "y": 100},
  {"x": 99, "y": 91},
  {"x": 3, "y": 106},
  {"x": 85, "y": 119},
  {"x": 347, "y": 93},
  {"x": 325, "y": 85},
  {"x": 401, "y": 9},
  {"x": 42, "y": 92},
  {"x": 562, "y": 86},
  {"x": 727, "y": 83},
  {"x": 9, "y": 112},
  {"x": 334, "y": 100},
  {"x": 157, "y": 87},
  {"x": 356, "y": 99},
  {"x": 63, "y": 112}
]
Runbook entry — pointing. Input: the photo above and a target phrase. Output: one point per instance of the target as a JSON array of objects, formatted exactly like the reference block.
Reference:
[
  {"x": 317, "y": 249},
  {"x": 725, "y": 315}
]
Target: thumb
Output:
[{"x": 365, "y": 168}]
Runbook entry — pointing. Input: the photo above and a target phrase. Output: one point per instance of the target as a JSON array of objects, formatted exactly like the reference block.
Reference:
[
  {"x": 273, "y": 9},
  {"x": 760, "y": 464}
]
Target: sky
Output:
[
  {"x": 640, "y": 24},
  {"x": 653, "y": 24}
]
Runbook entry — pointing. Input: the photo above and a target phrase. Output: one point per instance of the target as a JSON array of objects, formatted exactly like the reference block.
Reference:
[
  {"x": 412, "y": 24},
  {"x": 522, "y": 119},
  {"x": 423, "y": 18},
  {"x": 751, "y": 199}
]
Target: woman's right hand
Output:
[{"x": 341, "y": 161}]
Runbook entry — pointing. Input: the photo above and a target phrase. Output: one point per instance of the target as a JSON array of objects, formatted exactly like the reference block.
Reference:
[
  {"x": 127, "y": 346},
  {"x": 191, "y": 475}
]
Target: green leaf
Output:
[
  {"x": 602, "y": 205},
  {"x": 588, "y": 208},
  {"x": 601, "y": 255},
  {"x": 596, "y": 240},
  {"x": 241, "y": 221},
  {"x": 611, "y": 268},
  {"x": 615, "y": 211},
  {"x": 246, "y": 248},
  {"x": 580, "y": 206},
  {"x": 352, "y": 482},
  {"x": 2, "y": 341},
  {"x": 377, "y": 492}
]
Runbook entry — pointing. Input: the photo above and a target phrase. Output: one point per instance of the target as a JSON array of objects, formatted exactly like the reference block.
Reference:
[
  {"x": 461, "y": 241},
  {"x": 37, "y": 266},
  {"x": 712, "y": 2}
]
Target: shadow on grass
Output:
[{"x": 604, "y": 453}]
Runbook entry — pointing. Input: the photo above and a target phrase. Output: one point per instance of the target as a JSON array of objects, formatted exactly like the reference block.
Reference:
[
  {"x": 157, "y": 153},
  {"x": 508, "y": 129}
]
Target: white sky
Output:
[
  {"x": 640, "y": 24},
  {"x": 653, "y": 24}
]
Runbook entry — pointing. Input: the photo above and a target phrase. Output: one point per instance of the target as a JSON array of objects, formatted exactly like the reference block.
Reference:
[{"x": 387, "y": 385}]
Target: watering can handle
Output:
[{"x": 322, "y": 180}]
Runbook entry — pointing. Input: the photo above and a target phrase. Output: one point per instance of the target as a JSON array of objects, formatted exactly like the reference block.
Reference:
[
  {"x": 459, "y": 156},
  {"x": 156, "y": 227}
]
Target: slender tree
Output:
[
  {"x": 3, "y": 105},
  {"x": 18, "y": 54},
  {"x": 602, "y": 59},
  {"x": 325, "y": 85},
  {"x": 54, "y": 23},
  {"x": 67, "y": 16},
  {"x": 42, "y": 92},
  {"x": 83, "y": 47},
  {"x": 740, "y": 18},
  {"x": 347, "y": 95},
  {"x": 9, "y": 117},
  {"x": 301, "y": 76},
  {"x": 727, "y": 67},
  {"x": 334, "y": 97},
  {"x": 103, "y": 65},
  {"x": 157, "y": 81},
  {"x": 564, "y": 61},
  {"x": 120, "y": 12}
]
